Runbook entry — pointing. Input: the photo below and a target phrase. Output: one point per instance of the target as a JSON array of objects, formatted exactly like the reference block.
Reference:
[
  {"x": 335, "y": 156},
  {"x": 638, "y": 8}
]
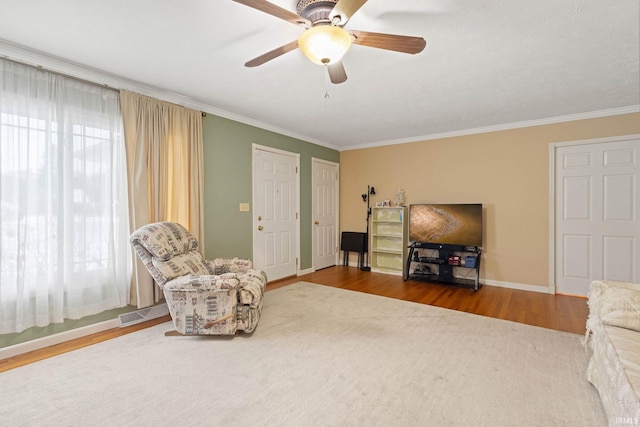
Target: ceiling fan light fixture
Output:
[{"x": 324, "y": 44}]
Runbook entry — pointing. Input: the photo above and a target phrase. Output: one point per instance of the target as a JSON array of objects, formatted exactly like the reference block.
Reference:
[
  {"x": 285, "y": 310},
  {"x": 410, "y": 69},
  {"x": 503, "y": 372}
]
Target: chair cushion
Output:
[
  {"x": 231, "y": 265},
  {"x": 181, "y": 265},
  {"x": 165, "y": 240},
  {"x": 620, "y": 307}
]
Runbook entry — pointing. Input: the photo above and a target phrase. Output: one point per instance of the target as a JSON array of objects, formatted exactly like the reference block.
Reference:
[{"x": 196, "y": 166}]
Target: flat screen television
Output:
[{"x": 455, "y": 224}]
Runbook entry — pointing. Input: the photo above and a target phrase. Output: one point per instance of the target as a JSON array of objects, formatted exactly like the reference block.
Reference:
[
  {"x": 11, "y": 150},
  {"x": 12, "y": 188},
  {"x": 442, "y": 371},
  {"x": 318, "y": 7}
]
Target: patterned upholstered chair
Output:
[{"x": 205, "y": 297}]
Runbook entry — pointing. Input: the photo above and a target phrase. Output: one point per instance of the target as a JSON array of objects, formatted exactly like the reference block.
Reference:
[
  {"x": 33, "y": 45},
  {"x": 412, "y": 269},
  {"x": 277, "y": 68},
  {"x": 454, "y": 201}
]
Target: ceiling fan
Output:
[{"x": 325, "y": 40}]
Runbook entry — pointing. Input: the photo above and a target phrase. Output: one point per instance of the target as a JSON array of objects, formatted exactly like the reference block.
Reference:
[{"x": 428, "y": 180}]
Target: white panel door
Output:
[
  {"x": 597, "y": 224},
  {"x": 275, "y": 201},
  {"x": 325, "y": 213}
]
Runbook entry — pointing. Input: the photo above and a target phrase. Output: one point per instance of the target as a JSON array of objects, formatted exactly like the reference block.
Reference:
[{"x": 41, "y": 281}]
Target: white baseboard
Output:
[
  {"x": 306, "y": 271},
  {"x": 497, "y": 283},
  {"x": 61, "y": 337},
  {"x": 392, "y": 273},
  {"x": 352, "y": 264},
  {"x": 518, "y": 286}
]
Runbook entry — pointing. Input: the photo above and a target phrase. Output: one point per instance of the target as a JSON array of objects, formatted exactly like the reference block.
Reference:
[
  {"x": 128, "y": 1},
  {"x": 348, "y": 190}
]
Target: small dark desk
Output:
[{"x": 354, "y": 242}]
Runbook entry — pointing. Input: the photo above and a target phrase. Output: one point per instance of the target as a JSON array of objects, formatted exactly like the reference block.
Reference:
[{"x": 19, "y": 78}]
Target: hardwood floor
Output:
[{"x": 559, "y": 312}]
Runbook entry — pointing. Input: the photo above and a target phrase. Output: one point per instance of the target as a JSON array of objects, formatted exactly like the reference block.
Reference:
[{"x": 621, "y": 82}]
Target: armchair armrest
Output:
[
  {"x": 231, "y": 265},
  {"x": 224, "y": 282},
  {"x": 251, "y": 287}
]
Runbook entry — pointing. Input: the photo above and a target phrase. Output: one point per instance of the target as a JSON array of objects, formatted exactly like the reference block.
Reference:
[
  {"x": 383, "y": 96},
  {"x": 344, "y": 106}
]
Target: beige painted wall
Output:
[{"x": 506, "y": 171}]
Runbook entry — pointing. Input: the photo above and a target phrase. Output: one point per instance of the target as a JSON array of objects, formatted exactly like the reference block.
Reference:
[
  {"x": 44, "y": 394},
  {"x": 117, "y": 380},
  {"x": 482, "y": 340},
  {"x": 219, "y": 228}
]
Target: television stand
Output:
[{"x": 441, "y": 263}]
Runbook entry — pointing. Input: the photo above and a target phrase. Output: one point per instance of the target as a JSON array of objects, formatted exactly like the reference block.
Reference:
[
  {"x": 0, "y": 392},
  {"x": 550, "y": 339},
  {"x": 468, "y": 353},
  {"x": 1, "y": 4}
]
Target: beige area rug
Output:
[{"x": 320, "y": 357}]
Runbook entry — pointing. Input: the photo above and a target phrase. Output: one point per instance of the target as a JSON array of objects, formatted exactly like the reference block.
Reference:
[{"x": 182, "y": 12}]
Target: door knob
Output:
[
  {"x": 260, "y": 228},
  {"x": 316, "y": 222}
]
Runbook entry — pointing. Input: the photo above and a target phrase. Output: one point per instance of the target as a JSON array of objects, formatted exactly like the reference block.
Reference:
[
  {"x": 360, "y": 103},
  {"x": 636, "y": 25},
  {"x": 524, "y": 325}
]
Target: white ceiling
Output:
[{"x": 488, "y": 64}]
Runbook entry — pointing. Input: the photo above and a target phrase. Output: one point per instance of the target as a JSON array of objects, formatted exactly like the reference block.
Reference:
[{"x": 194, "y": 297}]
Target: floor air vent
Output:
[{"x": 142, "y": 315}]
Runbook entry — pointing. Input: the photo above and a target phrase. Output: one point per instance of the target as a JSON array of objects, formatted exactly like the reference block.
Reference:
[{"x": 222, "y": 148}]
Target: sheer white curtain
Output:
[{"x": 63, "y": 199}]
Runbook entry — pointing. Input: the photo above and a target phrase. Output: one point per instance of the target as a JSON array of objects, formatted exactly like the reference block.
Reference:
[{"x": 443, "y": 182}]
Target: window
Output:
[{"x": 63, "y": 199}]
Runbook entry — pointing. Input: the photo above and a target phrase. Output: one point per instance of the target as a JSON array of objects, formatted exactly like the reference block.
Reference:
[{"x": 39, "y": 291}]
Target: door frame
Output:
[
  {"x": 314, "y": 161},
  {"x": 552, "y": 193},
  {"x": 254, "y": 221}
]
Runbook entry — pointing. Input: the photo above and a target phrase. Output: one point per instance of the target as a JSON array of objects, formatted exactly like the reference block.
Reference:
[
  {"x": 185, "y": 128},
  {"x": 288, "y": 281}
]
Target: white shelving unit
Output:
[{"x": 389, "y": 239}]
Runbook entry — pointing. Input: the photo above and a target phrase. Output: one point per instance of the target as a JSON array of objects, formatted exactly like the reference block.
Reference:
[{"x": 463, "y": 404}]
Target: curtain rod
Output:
[{"x": 58, "y": 73}]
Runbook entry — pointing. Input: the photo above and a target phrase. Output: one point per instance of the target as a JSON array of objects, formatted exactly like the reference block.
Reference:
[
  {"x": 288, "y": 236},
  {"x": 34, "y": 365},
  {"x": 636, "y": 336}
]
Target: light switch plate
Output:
[{"x": 244, "y": 207}]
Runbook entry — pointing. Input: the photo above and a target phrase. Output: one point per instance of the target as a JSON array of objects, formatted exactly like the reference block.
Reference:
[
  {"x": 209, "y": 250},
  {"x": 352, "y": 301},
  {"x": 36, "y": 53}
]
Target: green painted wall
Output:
[{"x": 227, "y": 183}]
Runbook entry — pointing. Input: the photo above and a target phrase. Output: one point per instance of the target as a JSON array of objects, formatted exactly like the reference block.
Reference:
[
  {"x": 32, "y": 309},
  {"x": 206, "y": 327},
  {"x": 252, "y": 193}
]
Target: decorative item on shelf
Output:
[
  {"x": 366, "y": 197},
  {"x": 422, "y": 270},
  {"x": 386, "y": 203},
  {"x": 401, "y": 196}
]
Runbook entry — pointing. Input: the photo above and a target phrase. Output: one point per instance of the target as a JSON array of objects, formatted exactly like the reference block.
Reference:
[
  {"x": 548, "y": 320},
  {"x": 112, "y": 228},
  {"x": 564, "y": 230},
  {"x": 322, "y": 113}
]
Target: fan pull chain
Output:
[{"x": 327, "y": 96}]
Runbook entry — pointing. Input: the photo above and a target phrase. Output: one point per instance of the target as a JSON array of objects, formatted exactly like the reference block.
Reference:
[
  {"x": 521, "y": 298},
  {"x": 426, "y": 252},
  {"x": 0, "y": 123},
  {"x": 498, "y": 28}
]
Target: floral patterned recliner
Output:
[{"x": 205, "y": 297}]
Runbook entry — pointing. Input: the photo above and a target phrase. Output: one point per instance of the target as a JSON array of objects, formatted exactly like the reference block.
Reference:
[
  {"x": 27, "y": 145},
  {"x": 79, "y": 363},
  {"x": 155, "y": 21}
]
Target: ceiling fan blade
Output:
[
  {"x": 337, "y": 74},
  {"x": 277, "y": 11},
  {"x": 272, "y": 54},
  {"x": 405, "y": 44},
  {"x": 345, "y": 9}
]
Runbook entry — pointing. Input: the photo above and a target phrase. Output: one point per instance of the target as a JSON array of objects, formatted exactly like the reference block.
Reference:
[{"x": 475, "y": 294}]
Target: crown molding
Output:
[{"x": 508, "y": 126}]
